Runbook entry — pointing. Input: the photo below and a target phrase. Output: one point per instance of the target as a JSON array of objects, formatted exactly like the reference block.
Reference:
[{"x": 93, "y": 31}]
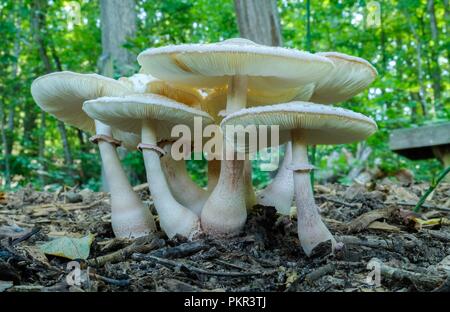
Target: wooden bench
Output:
[{"x": 423, "y": 142}]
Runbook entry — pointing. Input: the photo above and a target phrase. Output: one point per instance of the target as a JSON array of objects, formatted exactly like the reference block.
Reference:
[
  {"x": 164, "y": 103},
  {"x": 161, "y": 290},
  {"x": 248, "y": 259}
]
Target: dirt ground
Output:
[{"x": 384, "y": 246}]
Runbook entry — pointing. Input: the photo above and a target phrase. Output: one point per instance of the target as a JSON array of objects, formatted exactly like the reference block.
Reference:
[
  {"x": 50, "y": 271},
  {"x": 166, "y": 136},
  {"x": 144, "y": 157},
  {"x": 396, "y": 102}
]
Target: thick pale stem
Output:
[
  {"x": 280, "y": 192},
  {"x": 184, "y": 190},
  {"x": 173, "y": 217},
  {"x": 311, "y": 229},
  {"x": 129, "y": 216},
  {"x": 213, "y": 174},
  {"x": 237, "y": 94},
  {"x": 250, "y": 196},
  {"x": 225, "y": 211}
]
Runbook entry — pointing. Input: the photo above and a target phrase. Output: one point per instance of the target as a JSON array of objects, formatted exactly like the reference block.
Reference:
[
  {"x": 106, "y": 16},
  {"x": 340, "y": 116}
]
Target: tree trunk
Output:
[
  {"x": 259, "y": 21},
  {"x": 6, "y": 152},
  {"x": 435, "y": 68},
  {"x": 118, "y": 24},
  {"x": 39, "y": 26},
  {"x": 419, "y": 67}
]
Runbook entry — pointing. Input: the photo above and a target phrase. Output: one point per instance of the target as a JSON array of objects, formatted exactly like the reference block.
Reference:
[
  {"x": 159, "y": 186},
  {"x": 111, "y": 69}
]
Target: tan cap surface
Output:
[
  {"x": 127, "y": 112},
  {"x": 211, "y": 65},
  {"x": 350, "y": 76},
  {"x": 62, "y": 94},
  {"x": 321, "y": 124}
]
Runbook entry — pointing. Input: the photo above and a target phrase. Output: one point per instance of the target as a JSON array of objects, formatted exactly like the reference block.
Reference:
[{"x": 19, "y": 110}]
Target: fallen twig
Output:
[
  {"x": 364, "y": 220},
  {"x": 189, "y": 268},
  {"x": 445, "y": 237},
  {"x": 336, "y": 201},
  {"x": 180, "y": 251},
  {"x": 411, "y": 204},
  {"x": 111, "y": 281},
  {"x": 390, "y": 244},
  {"x": 318, "y": 273},
  {"x": 419, "y": 280},
  {"x": 141, "y": 245},
  {"x": 24, "y": 237}
]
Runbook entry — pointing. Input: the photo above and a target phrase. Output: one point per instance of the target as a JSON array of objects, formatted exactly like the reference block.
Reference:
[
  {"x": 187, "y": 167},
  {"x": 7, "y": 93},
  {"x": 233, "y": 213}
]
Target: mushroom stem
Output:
[
  {"x": 173, "y": 217},
  {"x": 129, "y": 216},
  {"x": 184, "y": 190},
  {"x": 225, "y": 211},
  {"x": 213, "y": 174},
  {"x": 280, "y": 192},
  {"x": 250, "y": 196},
  {"x": 311, "y": 229}
]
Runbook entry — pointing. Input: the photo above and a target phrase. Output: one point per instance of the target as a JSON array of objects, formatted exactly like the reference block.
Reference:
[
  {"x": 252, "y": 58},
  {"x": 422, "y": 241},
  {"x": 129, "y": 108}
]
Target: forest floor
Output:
[{"x": 383, "y": 242}]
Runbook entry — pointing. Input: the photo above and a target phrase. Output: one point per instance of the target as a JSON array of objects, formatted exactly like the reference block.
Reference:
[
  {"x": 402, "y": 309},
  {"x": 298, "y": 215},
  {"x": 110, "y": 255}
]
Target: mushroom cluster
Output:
[{"x": 246, "y": 84}]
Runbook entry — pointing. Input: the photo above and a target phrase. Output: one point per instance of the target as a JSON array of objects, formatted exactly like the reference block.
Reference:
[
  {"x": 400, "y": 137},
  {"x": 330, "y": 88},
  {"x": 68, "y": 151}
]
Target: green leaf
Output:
[{"x": 69, "y": 247}]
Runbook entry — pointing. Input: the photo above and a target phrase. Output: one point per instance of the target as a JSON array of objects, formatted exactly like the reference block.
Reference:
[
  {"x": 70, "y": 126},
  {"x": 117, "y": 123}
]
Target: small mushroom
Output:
[
  {"x": 308, "y": 123},
  {"x": 350, "y": 76},
  {"x": 153, "y": 116},
  {"x": 239, "y": 65},
  {"x": 62, "y": 95},
  {"x": 182, "y": 187}
]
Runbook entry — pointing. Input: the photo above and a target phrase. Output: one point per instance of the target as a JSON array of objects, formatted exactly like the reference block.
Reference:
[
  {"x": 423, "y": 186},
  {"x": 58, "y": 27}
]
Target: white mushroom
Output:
[
  {"x": 308, "y": 123},
  {"x": 239, "y": 65},
  {"x": 182, "y": 187},
  {"x": 349, "y": 77},
  {"x": 62, "y": 95},
  {"x": 153, "y": 116}
]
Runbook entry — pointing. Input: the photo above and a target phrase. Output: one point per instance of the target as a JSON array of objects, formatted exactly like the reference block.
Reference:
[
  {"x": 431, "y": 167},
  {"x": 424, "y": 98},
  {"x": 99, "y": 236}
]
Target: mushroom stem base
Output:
[
  {"x": 311, "y": 229},
  {"x": 280, "y": 192},
  {"x": 129, "y": 216},
  {"x": 224, "y": 212},
  {"x": 173, "y": 217}
]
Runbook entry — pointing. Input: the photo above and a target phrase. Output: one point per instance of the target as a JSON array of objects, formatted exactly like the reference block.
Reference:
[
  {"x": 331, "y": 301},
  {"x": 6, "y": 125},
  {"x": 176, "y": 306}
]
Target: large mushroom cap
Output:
[
  {"x": 210, "y": 65},
  {"x": 144, "y": 83},
  {"x": 320, "y": 124},
  {"x": 350, "y": 76},
  {"x": 127, "y": 112},
  {"x": 62, "y": 94}
]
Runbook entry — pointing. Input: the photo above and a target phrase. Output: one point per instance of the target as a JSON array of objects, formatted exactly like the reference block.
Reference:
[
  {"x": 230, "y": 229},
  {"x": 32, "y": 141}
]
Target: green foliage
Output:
[{"x": 393, "y": 99}]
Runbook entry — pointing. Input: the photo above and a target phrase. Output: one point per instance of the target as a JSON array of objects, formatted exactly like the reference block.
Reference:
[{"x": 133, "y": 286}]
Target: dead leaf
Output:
[
  {"x": 420, "y": 223},
  {"x": 69, "y": 247},
  {"x": 4, "y": 285},
  {"x": 383, "y": 226},
  {"x": 364, "y": 220}
]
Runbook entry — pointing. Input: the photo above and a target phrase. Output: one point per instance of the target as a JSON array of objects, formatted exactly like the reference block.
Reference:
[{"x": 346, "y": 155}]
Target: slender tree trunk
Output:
[
  {"x": 39, "y": 26},
  {"x": 259, "y": 21},
  {"x": 118, "y": 25},
  {"x": 10, "y": 129},
  {"x": 435, "y": 68},
  {"x": 418, "y": 46},
  {"x": 6, "y": 152}
]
